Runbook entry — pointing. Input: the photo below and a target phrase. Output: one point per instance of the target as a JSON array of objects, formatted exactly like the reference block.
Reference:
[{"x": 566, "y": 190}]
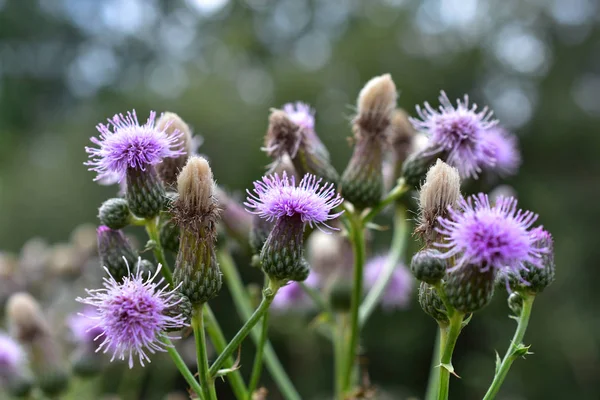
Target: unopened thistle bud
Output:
[
  {"x": 470, "y": 288},
  {"x": 417, "y": 164},
  {"x": 292, "y": 133},
  {"x": 115, "y": 251},
  {"x": 400, "y": 138},
  {"x": 130, "y": 150},
  {"x": 237, "y": 222},
  {"x": 431, "y": 303},
  {"x": 196, "y": 213},
  {"x": 261, "y": 228},
  {"x": 173, "y": 125},
  {"x": 428, "y": 266},
  {"x": 28, "y": 324},
  {"x": 535, "y": 278},
  {"x": 114, "y": 213},
  {"x": 291, "y": 207},
  {"x": 362, "y": 181},
  {"x": 169, "y": 236},
  {"x": 182, "y": 307},
  {"x": 440, "y": 191}
]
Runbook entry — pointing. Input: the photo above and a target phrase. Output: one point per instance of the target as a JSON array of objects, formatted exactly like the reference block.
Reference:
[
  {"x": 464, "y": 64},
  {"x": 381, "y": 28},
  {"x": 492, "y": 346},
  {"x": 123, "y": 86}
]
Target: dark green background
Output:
[{"x": 69, "y": 64}]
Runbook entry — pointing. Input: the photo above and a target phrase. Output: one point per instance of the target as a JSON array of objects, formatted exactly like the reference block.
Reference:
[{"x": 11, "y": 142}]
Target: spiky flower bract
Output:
[
  {"x": 291, "y": 207},
  {"x": 503, "y": 148},
  {"x": 399, "y": 289},
  {"x": 123, "y": 143},
  {"x": 487, "y": 236},
  {"x": 458, "y": 132},
  {"x": 12, "y": 358},
  {"x": 133, "y": 316}
]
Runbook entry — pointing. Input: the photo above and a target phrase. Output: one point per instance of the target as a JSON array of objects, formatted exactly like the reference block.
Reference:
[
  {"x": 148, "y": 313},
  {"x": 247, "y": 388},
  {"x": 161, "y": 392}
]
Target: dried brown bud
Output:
[
  {"x": 283, "y": 136},
  {"x": 169, "y": 168},
  {"x": 440, "y": 191},
  {"x": 401, "y": 135},
  {"x": 376, "y": 102}
]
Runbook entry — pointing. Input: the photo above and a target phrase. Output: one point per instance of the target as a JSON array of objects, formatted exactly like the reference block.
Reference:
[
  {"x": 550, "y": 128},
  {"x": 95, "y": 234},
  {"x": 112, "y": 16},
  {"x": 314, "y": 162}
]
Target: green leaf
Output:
[
  {"x": 498, "y": 363},
  {"x": 466, "y": 321},
  {"x": 449, "y": 368},
  {"x": 521, "y": 351},
  {"x": 150, "y": 245}
]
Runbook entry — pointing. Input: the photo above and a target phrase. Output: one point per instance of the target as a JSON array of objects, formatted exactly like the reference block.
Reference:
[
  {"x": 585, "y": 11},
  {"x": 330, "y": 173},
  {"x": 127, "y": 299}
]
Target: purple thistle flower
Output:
[
  {"x": 487, "y": 236},
  {"x": 503, "y": 148},
  {"x": 399, "y": 289},
  {"x": 293, "y": 297},
  {"x": 132, "y": 315},
  {"x": 124, "y": 143},
  {"x": 458, "y": 131},
  {"x": 276, "y": 197},
  {"x": 12, "y": 357},
  {"x": 301, "y": 114},
  {"x": 84, "y": 329}
]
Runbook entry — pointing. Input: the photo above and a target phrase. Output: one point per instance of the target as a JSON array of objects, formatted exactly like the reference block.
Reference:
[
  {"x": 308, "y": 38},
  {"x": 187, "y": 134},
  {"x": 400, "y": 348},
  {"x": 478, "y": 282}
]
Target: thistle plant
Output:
[{"x": 469, "y": 251}]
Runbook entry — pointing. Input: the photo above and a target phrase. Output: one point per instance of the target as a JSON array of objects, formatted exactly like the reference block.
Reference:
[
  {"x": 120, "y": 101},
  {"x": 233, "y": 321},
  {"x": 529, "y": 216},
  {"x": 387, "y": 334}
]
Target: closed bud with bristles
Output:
[
  {"x": 145, "y": 192},
  {"x": 292, "y": 134},
  {"x": 173, "y": 125},
  {"x": 115, "y": 252},
  {"x": 261, "y": 228},
  {"x": 169, "y": 236},
  {"x": 515, "y": 303},
  {"x": 197, "y": 273},
  {"x": 114, "y": 213},
  {"x": 417, "y": 164},
  {"x": 469, "y": 288},
  {"x": 431, "y": 303},
  {"x": 400, "y": 139},
  {"x": 440, "y": 191},
  {"x": 362, "y": 181},
  {"x": 428, "y": 266}
]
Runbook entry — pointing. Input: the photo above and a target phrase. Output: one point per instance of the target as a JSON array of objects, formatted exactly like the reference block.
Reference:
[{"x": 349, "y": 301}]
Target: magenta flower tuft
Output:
[
  {"x": 399, "y": 289},
  {"x": 293, "y": 297},
  {"x": 458, "y": 132},
  {"x": 124, "y": 143},
  {"x": 503, "y": 148},
  {"x": 12, "y": 357},
  {"x": 301, "y": 114},
  {"x": 276, "y": 197},
  {"x": 497, "y": 236},
  {"x": 133, "y": 315}
]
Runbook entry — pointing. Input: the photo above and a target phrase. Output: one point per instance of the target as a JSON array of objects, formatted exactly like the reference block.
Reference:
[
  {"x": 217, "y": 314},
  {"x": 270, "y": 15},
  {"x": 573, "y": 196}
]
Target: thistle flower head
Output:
[
  {"x": 487, "y": 236},
  {"x": 133, "y": 316},
  {"x": 301, "y": 114},
  {"x": 123, "y": 143},
  {"x": 399, "y": 289},
  {"x": 503, "y": 148},
  {"x": 12, "y": 357},
  {"x": 275, "y": 197},
  {"x": 459, "y": 132}
]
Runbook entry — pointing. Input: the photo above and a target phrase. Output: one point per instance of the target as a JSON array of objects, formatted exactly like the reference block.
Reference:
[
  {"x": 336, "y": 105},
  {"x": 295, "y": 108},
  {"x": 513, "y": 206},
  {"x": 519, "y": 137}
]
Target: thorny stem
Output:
[
  {"x": 258, "y": 358},
  {"x": 434, "y": 372},
  {"x": 183, "y": 369},
  {"x": 159, "y": 254},
  {"x": 219, "y": 342},
  {"x": 242, "y": 304},
  {"x": 268, "y": 296},
  {"x": 206, "y": 381},
  {"x": 512, "y": 354},
  {"x": 452, "y": 332},
  {"x": 396, "y": 251},
  {"x": 358, "y": 246}
]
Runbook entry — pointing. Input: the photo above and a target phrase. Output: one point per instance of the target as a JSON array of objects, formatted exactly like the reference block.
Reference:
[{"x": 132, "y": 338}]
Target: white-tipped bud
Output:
[
  {"x": 440, "y": 191},
  {"x": 283, "y": 136},
  {"x": 172, "y": 124},
  {"x": 376, "y": 102},
  {"x": 196, "y": 186},
  {"x": 25, "y": 317}
]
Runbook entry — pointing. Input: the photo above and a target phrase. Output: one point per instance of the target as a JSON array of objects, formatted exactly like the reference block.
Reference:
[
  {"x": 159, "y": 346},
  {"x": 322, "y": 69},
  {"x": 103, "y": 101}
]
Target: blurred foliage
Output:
[{"x": 66, "y": 65}]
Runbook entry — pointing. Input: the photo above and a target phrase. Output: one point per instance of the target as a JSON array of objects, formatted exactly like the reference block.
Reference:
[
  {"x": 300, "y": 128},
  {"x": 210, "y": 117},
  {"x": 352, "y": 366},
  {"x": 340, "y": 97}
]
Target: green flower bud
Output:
[
  {"x": 469, "y": 289},
  {"x": 52, "y": 381},
  {"x": 416, "y": 166},
  {"x": 169, "y": 236},
  {"x": 428, "y": 266},
  {"x": 145, "y": 192},
  {"x": 261, "y": 228},
  {"x": 183, "y": 307},
  {"x": 116, "y": 254},
  {"x": 431, "y": 303},
  {"x": 20, "y": 387},
  {"x": 114, "y": 213},
  {"x": 536, "y": 278}
]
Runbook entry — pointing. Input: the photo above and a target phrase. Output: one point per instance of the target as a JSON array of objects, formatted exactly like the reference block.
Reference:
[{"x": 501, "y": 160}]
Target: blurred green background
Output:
[{"x": 66, "y": 65}]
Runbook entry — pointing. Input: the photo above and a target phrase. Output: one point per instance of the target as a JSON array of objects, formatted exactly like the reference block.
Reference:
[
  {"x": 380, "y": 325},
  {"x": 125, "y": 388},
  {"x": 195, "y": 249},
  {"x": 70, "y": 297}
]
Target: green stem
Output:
[
  {"x": 453, "y": 330},
  {"x": 219, "y": 342},
  {"x": 263, "y": 307},
  {"x": 258, "y": 358},
  {"x": 338, "y": 348},
  {"x": 512, "y": 354},
  {"x": 242, "y": 304},
  {"x": 400, "y": 188},
  {"x": 183, "y": 369},
  {"x": 159, "y": 254},
  {"x": 358, "y": 246},
  {"x": 434, "y": 372},
  {"x": 396, "y": 251},
  {"x": 206, "y": 382}
]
